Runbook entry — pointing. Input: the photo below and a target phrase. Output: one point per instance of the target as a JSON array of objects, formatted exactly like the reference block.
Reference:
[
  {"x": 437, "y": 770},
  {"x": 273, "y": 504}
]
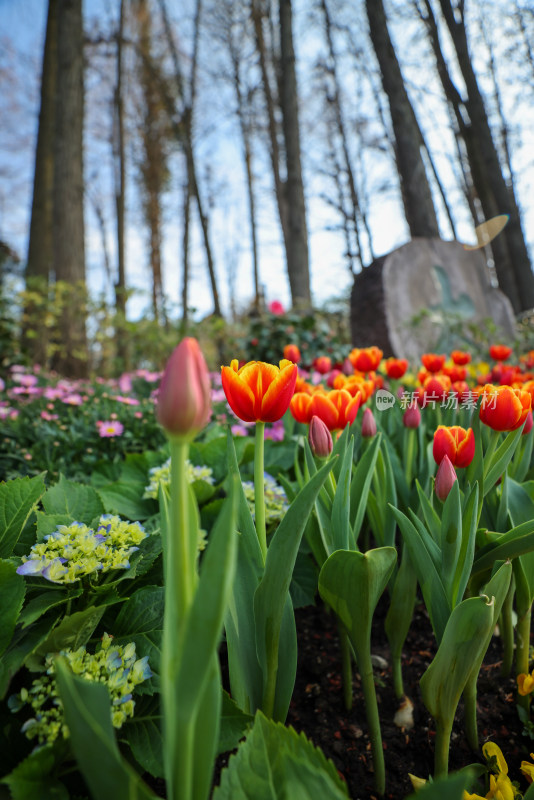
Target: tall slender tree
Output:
[
  {"x": 416, "y": 193},
  {"x": 68, "y": 214}
]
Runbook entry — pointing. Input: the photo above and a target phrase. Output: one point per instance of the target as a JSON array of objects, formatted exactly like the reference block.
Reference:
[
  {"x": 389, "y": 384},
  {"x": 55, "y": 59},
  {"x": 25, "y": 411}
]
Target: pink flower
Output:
[
  {"x": 138, "y": 414},
  {"x": 128, "y": 401},
  {"x": 445, "y": 478},
  {"x": 276, "y": 307},
  {"x": 110, "y": 428},
  {"x": 2, "y": 385},
  {"x": 184, "y": 398},
  {"x": 125, "y": 383},
  {"x": 25, "y": 380},
  {"x": 48, "y": 417},
  {"x": 73, "y": 399}
]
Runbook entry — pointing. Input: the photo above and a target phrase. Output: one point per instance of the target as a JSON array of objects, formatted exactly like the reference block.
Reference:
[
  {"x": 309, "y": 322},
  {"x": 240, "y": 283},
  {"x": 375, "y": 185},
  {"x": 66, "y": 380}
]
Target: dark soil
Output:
[{"x": 317, "y": 708}]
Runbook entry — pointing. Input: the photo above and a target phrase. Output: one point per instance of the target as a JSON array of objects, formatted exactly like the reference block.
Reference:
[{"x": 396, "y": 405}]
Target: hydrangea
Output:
[
  {"x": 115, "y": 666},
  {"x": 75, "y": 550},
  {"x": 276, "y": 503},
  {"x": 161, "y": 476}
]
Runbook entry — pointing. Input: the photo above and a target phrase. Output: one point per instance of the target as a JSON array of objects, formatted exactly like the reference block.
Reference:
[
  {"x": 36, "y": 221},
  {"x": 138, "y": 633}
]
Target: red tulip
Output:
[
  {"x": 368, "y": 424},
  {"x": 336, "y": 408},
  {"x": 412, "y": 416},
  {"x": 504, "y": 408},
  {"x": 433, "y": 362},
  {"x": 460, "y": 358},
  {"x": 322, "y": 364},
  {"x": 500, "y": 352},
  {"x": 455, "y": 442},
  {"x": 292, "y": 353},
  {"x": 396, "y": 367},
  {"x": 259, "y": 392},
  {"x": 366, "y": 359},
  {"x": 184, "y": 397}
]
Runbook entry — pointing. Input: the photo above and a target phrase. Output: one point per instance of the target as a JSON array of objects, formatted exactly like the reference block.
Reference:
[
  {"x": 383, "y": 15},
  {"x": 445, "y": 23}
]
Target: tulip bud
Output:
[
  {"x": 412, "y": 416},
  {"x": 528, "y": 423},
  {"x": 320, "y": 438},
  {"x": 445, "y": 478},
  {"x": 368, "y": 424},
  {"x": 184, "y": 398},
  {"x": 292, "y": 353}
]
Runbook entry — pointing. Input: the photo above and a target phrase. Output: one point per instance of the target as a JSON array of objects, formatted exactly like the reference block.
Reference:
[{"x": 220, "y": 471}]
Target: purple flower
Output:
[{"x": 110, "y": 428}]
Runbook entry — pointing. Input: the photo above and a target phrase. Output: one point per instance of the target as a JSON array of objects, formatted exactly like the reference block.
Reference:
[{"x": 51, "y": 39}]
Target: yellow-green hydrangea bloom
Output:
[{"x": 161, "y": 476}]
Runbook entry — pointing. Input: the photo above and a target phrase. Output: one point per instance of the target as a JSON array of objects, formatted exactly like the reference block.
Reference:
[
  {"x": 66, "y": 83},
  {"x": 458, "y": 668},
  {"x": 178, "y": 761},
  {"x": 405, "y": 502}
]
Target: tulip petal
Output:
[
  {"x": 322, "y": 406},
  {"x": 276, "y": 399},
  {"x": 299, "y": 407},
  {"x": 240, "y": 396}
]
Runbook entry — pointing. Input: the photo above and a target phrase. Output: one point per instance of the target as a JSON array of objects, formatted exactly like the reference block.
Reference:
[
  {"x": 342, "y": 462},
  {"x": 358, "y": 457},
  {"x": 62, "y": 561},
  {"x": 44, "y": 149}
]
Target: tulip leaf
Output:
[
  {"x": 500, "y": 459},
  {"x": 87, "y": 710},
  {"x": 246, "y": 678},
  {"x": 275, "y": 761},
  {"x": 272, "y": 593},
  {"x": 465, "y": 557},
  {"x": 361, "y": 481},
  {"x": 462, "y": 644},
  {"x": 514, "y": 543},
  {"x": 520, "y": 503},
  {"x": 341, "y": 506},
  {"x": 520, "y": 463},
  {"x": 429, "y": 578},
  {"x": 451, "y": 539},
  {"x": 352, "y": 584}
]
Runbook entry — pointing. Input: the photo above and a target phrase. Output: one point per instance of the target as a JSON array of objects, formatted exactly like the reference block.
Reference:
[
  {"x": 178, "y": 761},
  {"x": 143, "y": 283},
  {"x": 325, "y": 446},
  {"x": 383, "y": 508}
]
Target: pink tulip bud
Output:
[
  {"x": 320, "y": 438},
  {"x": 528, "y": 423},
  {"x": 445, "y": 478},
  {"x": 184, "y": 398},
  {"x": 412, "y": 416},
  {"x": 368, "y": 424}
]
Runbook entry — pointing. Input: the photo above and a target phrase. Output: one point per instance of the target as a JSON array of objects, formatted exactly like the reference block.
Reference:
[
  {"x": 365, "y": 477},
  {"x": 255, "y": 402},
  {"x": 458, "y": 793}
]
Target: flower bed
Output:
[{"x": 273, "y": 581}]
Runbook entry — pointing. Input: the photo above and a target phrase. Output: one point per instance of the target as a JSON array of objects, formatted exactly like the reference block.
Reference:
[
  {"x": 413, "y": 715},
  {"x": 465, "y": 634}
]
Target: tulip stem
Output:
[
  {"x": 365, "y": 668},
  {"x": 522, "y": 653},
  {"x": 506, "y": 627},
  {"x": 470, "y": 712},
  {"x": 411, "y": 434},
  {"x": 259, "y": 489},
  {"x": 441, "y": 747},
  {"x": 346, "y": 664}
]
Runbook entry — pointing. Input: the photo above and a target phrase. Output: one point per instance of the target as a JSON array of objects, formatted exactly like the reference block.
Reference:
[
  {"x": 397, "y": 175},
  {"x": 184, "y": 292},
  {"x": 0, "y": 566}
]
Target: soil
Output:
[{"x": 317, "y": 707}]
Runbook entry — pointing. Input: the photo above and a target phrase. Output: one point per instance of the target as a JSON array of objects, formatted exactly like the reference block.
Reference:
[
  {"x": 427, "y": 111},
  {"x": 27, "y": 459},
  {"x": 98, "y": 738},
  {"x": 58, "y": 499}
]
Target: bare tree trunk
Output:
[
  {"x": 68, "y": 218},
  {"x": 119, "y": 159},
  {"x": 40, "y": 260},
  {"x": 416, "y": 193},
  {"x": 184, "y": 134},
  {"x": 297, "y": 240},
  {"x": 185, "y": 257},
  {"x": 493, "y": 191}
]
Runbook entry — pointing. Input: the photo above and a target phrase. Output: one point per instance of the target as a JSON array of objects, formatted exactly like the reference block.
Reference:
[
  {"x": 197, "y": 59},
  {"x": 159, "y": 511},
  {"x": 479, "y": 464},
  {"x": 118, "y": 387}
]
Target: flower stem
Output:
[
  {"x": 507, "y": 632},
  {"x": 442, "y": 745},
  {"x": 522, "y": 653},
  {"x": 373, "y": 720},
  {"x": 470, "y": 712},
  {"x": 346, "y": 664},
  {"x": 411, "y": 434},
  {"x": 259, "y": 489},
  {"x": 179, "y": 567}
]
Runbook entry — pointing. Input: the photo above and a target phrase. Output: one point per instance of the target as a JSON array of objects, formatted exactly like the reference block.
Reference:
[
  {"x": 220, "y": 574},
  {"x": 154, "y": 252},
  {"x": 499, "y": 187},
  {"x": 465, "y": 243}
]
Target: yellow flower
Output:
[
  {"x": 528, "y": 769},
  {"x": 493, "y": 751},
  {"x": 500, "y": 788},
  {"x": 525, "y": 683},
  {"x": 417, "y": 783}
]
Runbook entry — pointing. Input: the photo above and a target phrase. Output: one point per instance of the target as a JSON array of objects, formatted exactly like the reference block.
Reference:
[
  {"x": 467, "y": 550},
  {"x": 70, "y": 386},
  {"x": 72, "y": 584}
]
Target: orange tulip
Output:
[
  {"x": 259, "y": 392},
  {"x": 292, "y": 353},
  {"x": 322, "y": 364},
  {"x": 396, "y": 367},
  {"x": 500, "y": 352},
  {"x": 460, "y": 358},
  {"x": 503, "y": 408},
  {"x": 455, "y": 373},
  {"x": 366, "y": 359},
  {"x": 336, "y": 408},
  {"x": 432, "y": 362},
  {"x": 435, "y": 389},
  {"x": 455, "y": 442}
]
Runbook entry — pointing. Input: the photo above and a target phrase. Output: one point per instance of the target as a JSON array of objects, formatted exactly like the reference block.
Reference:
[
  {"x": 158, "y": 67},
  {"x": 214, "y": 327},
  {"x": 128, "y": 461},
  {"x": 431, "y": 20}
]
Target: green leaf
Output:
[
  {"x": 276, "y": 762},
  {"x": 143, "y": 734},
  {"x": 126, "y": 500},
  {"x": 451, "y": 540},
  {"x": 451, "y": 787},
  {"x": 514, "y": 543},
  {"x": 234, "y": 724},
  {"x": 87, "y": 712},
  {"x": 43, "y": 602},
  {"x": 48, "y": 523},
  {"x": 78, "y": 501},
  {"x": 303, "y": 587},
  {"x": 272, "y": 592},
  {"x": 434, "y": 594},
  {"x": 500, "y": 459},
  {"x": 432, "y": 520},
  {"x": 361, "y": 481},
  {"x": 12, "y": 591},
  {"x": 140, "y": 620},
  {"x": 352, "y": 584},
  {"x": 341, "y": 506},
  {"x": 72, "y": 632},
  {"x": 465, "y": 557},
  {"x": 35, "y": 777},
  {"x": 463, "y": 643},
  {"x": 18, "y": 499}
]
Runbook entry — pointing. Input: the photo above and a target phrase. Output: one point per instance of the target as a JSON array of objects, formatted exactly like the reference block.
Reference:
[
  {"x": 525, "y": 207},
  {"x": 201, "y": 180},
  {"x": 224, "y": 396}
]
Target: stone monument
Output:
[{"x": 441, "y": 283}]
